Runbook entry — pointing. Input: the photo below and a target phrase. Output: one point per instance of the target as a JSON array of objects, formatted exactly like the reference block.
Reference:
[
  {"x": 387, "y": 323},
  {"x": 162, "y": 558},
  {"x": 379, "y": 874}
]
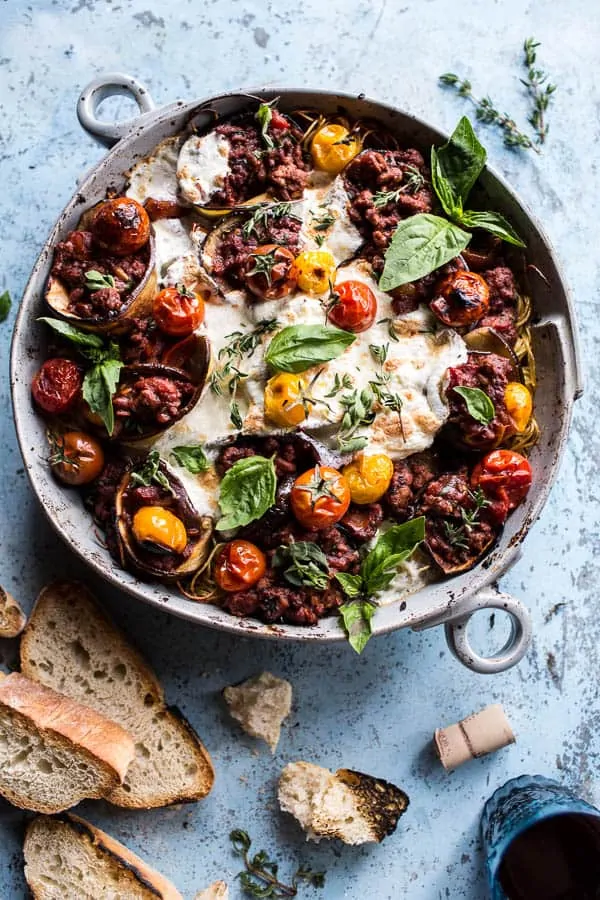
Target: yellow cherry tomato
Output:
[
  {"x": 157, "y": 525},
  {"x": 333, "y": 147},
  {"x": 368, "y": 477},
  {"x": 314, "y": 270},
  {"x": 519, "y": 404},
  {"x": 284, "y": 403}
]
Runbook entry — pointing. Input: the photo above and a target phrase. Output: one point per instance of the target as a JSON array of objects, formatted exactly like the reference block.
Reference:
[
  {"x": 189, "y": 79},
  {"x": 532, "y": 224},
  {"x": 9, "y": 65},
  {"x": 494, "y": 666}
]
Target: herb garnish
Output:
[
  {"x": 390, "y": 328},
  {"x": 457, "y": 534},
  {"x": 96, "y": 281},
  {"x": 344, "y": 382},
  {"x": 386, "y": 398},
  {"x": 306, "y": 563},
  {"x": 192, "y": 457},
  {"x": 261, "y": 215},
  {"x": 247, "y": 492},
  {"x": 263, "y": 115},
  {"x": 298, "y": 347},
  {"x": 260, "y": 876},
  {"x": 377, "y": 571},
  {"x": 5, "y": 303},
  {"x": 263, "y": 264},
  {"x": 358, "y": 412},
  {"x": 323, "y": 222},
  {"x": 538, "y": 89},
  {"x": 413, "y": 185},
  {"x": 149, "y": 472},
  {"x": 101, "y": 380},
  {"x": 479, "y": 406},
  {"x": 421, "y": 244}
]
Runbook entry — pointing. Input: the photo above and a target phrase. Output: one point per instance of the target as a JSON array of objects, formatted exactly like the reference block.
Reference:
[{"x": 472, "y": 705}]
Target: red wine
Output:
[{"x": 557, "y": 859}]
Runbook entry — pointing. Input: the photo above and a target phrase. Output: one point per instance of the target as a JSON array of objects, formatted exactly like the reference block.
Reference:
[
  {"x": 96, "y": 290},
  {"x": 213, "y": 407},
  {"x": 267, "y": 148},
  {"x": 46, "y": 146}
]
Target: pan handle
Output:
[
  {"x": 516, "y": 645},
  {"x": 108, "y": 133}
]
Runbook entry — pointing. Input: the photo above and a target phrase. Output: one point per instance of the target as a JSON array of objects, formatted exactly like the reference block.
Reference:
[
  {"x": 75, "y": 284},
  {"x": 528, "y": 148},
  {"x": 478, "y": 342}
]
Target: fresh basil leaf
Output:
[
  {"x": 352, "y": 445},
  {"x": 192, "y": 457},
  {"x": 393, "y": 547},
  {"x": 421, "y": 244},
  {"x": 99, "y": 385},
  {"x": 456, "y": 166},
  {"x": 5, "y": 303},
  {"x": 352, "y": 585},
  {"x": 356, "y": 617},
  {"x": 306, "y": 563},
  {"x": 264, "y": 114},
  {"x": 149, "y": 472},
  {"x": 247, "y": 492},
  {"x": 494, "y": 223},
  {"x": 479, "y": 405},
  {"x": 97, "y": 281},
  {"x": 74, "y": 335},
  {"x": 298, "y": 347}
]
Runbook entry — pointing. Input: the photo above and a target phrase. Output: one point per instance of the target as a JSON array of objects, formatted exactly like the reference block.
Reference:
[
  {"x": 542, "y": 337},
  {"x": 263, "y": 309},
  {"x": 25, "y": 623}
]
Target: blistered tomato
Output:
[
  {"x": 320, "y": 497},
  {"x": 284, "y": 399},
  {"x": 239, "y": 565},
  {"x": 270, "y": 272},
  {"x": 504, "y": 476},
  {"x": 368, "y": 477},
  {"x": 461, "y": 299},
  {"x": 354, "y": 306},
  {"x": 121, "y": 226},
  {"x": 178, "y": 311},
  {"x": 76, "y": 457},
  {"x": 314, "y": 271},
  {"x": 332, "y": 148},
  {"x": 159, "y": 527},
  {"x": 519, "y": 404},
  {"x": 57, "y": 385}
]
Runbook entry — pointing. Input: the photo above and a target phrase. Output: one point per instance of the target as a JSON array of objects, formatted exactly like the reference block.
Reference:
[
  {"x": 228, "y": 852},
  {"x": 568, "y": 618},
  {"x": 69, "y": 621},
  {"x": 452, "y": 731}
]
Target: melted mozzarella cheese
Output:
[
  {"x": 202, "y": 166},
  {"x": 156, "y": 176},
  {"x": 341, "y": 238}
]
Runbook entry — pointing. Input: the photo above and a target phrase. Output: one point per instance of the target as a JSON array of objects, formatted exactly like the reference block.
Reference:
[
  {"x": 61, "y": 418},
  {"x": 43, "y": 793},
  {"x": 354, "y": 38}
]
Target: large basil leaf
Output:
[
  {"x": 298, "y": 347},
  {"x": 479, "y": 405},
  {"x": 247, "y": 492},
  {"x": 356, "y": 617},
  {"x": 494, "y": 223},
  {"x": 420, "y": 244},
  {"x": 457, "y": 165},
  {"x": 192, "y": 457},
  {"x": 392, "y": 549},
  {"x": 306, "y": 564},
  {"x": 80, "y": 338},
  {"x": 99, "y": 384}
]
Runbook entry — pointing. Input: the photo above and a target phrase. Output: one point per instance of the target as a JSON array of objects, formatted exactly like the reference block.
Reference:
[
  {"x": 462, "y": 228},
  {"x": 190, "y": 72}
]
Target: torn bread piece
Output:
[
  {"x": 71, "y": 645},
  {"x": 216, "y": 891},
  {"x": 55, "y": 752},
  {"x": 12, "y": 617},
  {"x": 67, "y": 858},
  {"x": 348, "y": 805},
  {"x": 260, "y": 705}
]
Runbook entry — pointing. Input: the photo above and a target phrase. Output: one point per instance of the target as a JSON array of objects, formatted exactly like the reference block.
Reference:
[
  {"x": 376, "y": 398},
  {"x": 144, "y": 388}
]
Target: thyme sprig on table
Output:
[
  {"x": 538, "y": 88},
  {"x": 260, "y": 876}
]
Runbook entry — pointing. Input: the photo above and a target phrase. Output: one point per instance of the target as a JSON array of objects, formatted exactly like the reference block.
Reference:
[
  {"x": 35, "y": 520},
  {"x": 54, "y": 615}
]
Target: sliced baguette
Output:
[
  {"x": 71, "y": 645},
  {"x": 67, "y": 858},
  {"x": 55, "y": 752},
  {"x": 12, "y": 617}
]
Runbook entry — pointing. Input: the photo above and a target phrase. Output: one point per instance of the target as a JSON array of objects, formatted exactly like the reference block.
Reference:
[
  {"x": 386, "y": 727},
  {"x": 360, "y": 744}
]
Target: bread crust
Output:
[{"x": 12, "y": 617}]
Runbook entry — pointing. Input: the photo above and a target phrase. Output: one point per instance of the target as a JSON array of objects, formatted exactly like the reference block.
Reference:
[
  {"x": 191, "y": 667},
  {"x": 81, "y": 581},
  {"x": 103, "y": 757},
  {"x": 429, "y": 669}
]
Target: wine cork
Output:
[{"x": 479, "y": 734}]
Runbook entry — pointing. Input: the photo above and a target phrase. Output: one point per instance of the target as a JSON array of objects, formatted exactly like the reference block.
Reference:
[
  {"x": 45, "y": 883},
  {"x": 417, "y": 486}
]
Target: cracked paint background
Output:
[{"x": 375, "y": 713}]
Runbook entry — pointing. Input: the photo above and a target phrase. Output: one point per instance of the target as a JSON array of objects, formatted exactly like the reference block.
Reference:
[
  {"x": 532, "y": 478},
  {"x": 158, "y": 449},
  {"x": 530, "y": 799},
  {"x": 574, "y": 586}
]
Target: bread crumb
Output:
[
  {"x": 216, "y": 891},
  {"x": 260, "y": 705}
]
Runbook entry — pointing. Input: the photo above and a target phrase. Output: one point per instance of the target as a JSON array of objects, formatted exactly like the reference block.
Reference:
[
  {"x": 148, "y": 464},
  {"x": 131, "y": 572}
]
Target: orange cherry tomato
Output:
[
  {"x": 121, "y": 226},
  {"x": 239, "y": 565},
  {"x": 461, "y": 299},
  {"x": 320, "y": 497},
  {"x": 355, "y": 308},
  {"x": 270, "y": 272},
  {"x": 76, "y": 457},
  {"x": 177, "y": 311},
  {"x": 504, "y": 477}
]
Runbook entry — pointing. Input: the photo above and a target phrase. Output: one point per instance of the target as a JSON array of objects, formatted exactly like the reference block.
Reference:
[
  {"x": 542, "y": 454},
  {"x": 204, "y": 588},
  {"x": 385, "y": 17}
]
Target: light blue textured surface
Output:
[{"x": 375, "y": 713}]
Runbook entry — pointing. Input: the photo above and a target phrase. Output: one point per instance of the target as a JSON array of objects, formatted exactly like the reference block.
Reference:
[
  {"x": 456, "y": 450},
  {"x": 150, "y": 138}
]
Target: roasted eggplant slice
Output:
[
  {"x": 453, "y": 548},
  {"x": 486, "y": 340},
  {"x": 159, "y": 533}
]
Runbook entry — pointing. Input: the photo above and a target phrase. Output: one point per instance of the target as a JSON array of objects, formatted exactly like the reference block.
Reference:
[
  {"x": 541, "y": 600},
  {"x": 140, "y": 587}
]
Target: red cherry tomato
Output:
[
  {"x": 320, "y": 497},
  {"x": 76, "y": 458},
  {"x": 461, "y": 299},
  {"x": 56, "y": 386},
  {"x": 270, "y": 272},
  {"x": 178, "y": 311},
  {"x": 504, "y": 477},
  {"x": 355, "y": 308},
  {"x": 121, "y": 226},
  {"x": 239, "y": 565}
]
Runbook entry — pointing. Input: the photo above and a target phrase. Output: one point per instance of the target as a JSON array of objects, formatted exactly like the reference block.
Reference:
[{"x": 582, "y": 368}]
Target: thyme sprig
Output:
[
  {"x": 149, "y": 472},
  {"x": 458, "y": 534},
  {"x": 260, "y": 876},
  {"x": 413, "y": 185},
  {"x": 379, "y": 384},
  {"x": 538, "y": 88},
  {"x": 261, "y": 215},
  {"x": 264, "y": 264}
]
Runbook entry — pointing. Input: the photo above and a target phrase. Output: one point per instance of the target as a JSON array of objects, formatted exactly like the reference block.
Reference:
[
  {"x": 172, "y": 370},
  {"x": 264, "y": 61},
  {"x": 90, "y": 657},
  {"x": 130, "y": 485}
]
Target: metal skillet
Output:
[{"x": 449, "y": 602}]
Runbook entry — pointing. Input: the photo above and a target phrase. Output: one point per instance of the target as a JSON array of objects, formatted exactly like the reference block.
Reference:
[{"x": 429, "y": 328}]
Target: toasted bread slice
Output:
[
  {"x": 72, "y": 646},
  {"x": 67, "y": 858},
  {"x": 348, "y": 805},
  {"x": 12, "y": 617},
  {"x": 55, "y": 752}
]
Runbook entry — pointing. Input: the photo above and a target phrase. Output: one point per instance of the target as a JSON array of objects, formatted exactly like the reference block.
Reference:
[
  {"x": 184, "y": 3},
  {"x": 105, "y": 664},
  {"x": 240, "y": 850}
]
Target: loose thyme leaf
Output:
[
  {"x": 5, "y": 303},
  {"x": 421, "y": 244},
  {"x": 298, "y": 347},
  {"x": 247, "y": 492},
  {"x": 192, "y": 457},
  {"x": 479, "y": 405}
]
